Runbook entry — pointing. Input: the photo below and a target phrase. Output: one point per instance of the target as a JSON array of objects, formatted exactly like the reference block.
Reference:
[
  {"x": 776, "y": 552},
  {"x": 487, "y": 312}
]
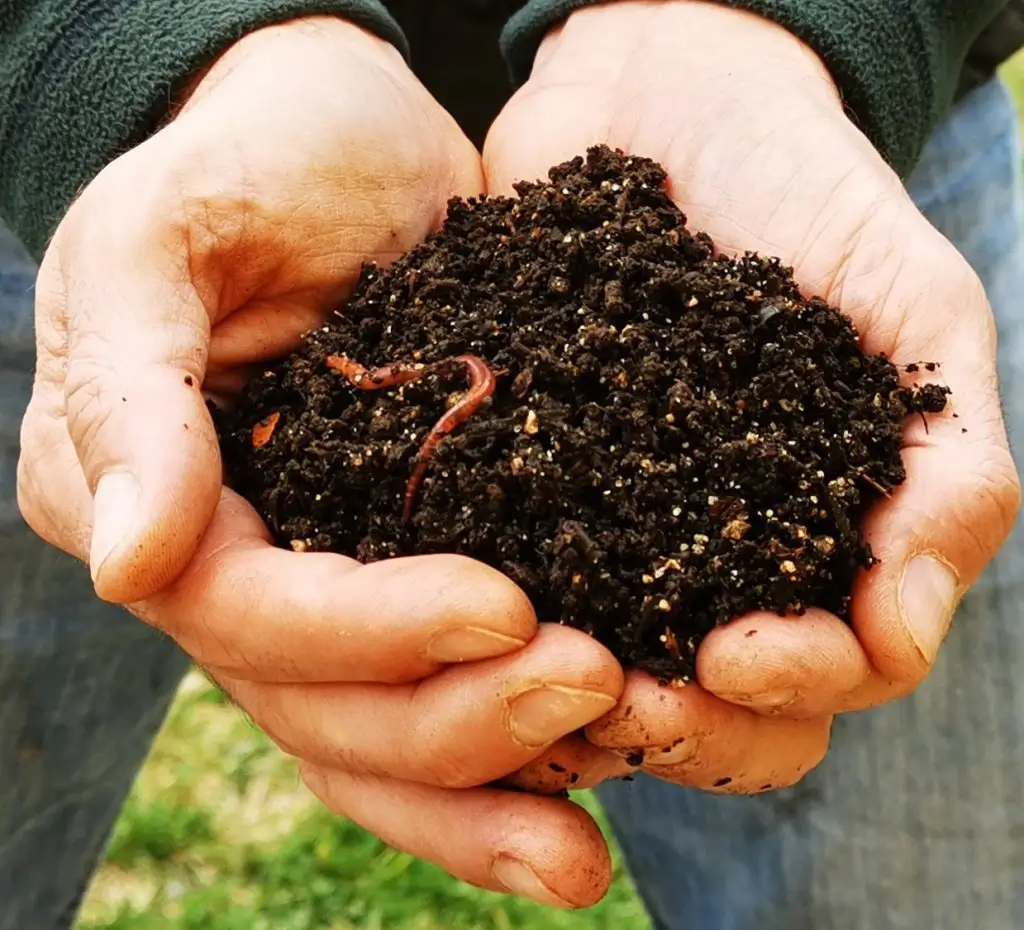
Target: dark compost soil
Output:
[{"x": 675, "y": 437}]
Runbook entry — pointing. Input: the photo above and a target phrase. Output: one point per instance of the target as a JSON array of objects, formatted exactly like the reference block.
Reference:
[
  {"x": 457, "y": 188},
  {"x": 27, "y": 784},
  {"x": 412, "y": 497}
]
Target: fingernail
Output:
[
  {"x": 540, "y": 717},
  {"x": 928, "y": 600},
  {"x": 521, "y": 880},
  {"x": 470, "y": 643},
  {"x": 682, "y": 751},
  {"x": 779, "y": 699},
  {"x": 115, "y": 510},
  {"x": 773, "y": 699}
]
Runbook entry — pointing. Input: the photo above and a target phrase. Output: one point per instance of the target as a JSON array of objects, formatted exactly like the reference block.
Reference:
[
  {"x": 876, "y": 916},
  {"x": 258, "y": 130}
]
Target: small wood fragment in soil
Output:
[{"x": 263, "y": 431}]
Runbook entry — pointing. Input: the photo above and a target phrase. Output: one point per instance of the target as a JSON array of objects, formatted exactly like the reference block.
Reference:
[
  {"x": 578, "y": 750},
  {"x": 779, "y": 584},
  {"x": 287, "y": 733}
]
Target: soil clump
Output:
[{"x": 671, "y": 438}]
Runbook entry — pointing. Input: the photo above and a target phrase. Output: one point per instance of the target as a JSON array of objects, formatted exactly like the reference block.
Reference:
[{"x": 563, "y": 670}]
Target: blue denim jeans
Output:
[
  {"x": 83, "y": 685},
  {"x": 914, "y": 821}
]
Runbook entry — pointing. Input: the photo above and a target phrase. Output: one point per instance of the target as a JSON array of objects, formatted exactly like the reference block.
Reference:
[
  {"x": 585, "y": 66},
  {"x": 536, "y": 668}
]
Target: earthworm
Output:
[
  {"x": 481, "y": 386},
  {"x": 374, "y": 379}
]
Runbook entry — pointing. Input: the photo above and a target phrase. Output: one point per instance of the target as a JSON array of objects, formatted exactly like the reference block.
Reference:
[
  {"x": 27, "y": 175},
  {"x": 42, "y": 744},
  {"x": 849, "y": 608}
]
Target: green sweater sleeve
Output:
[
  {"x": 75, "y": 92},
  {"x": 896, "y": 62}
]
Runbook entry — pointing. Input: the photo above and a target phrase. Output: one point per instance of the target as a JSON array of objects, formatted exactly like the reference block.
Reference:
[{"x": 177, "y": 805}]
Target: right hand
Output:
[
  {"x": 207, "y": 250},
  {"x": 762, "y": 156}
]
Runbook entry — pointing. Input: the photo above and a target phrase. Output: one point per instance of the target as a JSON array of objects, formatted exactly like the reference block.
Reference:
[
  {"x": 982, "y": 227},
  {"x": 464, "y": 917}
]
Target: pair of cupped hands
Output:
[{"x": 407, "y": 688}]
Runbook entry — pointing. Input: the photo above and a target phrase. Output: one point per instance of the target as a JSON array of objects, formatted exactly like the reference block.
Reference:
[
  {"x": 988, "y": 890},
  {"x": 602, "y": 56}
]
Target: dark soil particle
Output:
[{"x": 675, "y": 438}]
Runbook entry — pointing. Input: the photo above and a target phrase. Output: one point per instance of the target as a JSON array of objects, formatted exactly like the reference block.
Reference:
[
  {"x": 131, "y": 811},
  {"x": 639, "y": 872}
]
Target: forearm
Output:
[
  {"x": 81, "y": 82},
  {"x": 896, "y": 64}
]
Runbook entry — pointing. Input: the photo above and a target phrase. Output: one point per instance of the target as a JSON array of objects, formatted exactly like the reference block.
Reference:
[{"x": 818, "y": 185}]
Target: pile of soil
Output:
[{"x": 675, "y": 437}]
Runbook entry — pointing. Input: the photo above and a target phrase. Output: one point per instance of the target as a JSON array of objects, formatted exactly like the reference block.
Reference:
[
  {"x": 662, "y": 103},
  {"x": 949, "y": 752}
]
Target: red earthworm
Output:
[
  {"x": 374, "y": 379},
  {"x": 481, "y": 386}
]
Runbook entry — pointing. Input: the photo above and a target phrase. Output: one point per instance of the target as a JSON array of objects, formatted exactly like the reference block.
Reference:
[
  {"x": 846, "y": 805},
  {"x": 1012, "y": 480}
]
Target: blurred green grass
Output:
[
  {"x": 1013, "y": 74},
  {"x": 218, "y": 834}
]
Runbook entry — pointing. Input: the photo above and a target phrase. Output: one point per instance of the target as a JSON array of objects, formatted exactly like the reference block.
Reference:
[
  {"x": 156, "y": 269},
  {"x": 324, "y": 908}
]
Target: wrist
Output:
[
  {"x": 285, "y": 46},
  {"x": 714, "y": 50}
]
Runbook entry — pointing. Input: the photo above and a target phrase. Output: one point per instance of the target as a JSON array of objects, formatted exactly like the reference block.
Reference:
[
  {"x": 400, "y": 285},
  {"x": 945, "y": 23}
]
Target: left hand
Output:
[
  {"x": 761, "y": 156},
  {"x": 403, "y": 687}
]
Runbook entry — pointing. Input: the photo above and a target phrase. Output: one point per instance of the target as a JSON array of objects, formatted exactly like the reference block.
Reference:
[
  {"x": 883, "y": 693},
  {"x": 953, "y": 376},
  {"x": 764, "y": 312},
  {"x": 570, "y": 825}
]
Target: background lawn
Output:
[{"x": 219, "y": 835}]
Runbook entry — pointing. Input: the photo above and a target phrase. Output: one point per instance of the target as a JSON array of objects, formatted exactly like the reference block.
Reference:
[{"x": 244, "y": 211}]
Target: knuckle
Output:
[
  {"x": 92, "y": 199},
  {"x": 36, "y": 443},
  {"x": 49, "y": 515},
  {"x": 30, "y": 493},
  {"x": 119, "y": 205},
  {"x": 90, "y": 398}
]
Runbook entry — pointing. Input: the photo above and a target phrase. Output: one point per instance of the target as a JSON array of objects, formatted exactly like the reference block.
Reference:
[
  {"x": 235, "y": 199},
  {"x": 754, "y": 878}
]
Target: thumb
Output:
[
  {"x": 137, "y": 337},
  {"x": 941, "y": 528}
]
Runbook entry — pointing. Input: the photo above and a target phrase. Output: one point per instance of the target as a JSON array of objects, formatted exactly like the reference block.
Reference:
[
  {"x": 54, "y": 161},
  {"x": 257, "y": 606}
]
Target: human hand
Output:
[
  {"x": 762, "y": 157},
  {"x": 210, "y": 248}
]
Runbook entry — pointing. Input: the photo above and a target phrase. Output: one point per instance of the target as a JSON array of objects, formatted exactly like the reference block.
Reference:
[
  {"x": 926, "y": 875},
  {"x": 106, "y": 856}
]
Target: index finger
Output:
[{"x": 256, "y": 612}]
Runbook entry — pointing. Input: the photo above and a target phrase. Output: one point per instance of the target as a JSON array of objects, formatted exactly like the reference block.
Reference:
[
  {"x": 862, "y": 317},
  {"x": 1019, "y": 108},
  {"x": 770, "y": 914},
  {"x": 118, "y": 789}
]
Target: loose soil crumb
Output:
[{"x": 675, "y": 438}]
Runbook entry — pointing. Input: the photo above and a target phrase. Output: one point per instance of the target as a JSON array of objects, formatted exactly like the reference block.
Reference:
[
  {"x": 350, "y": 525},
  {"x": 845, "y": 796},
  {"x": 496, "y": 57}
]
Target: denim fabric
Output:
[
  {"x": 915, "y": 821},
  {"x": 83, "y": 685}
]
